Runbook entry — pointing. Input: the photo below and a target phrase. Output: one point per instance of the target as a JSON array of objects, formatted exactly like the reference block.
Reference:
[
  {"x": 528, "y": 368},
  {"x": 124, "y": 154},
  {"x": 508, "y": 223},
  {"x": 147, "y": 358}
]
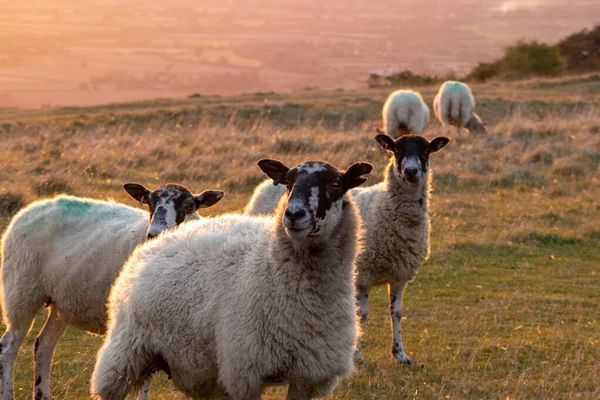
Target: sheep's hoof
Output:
[
  {"x": 402, "y": 358},
  {"x": 358, "y": 358}
]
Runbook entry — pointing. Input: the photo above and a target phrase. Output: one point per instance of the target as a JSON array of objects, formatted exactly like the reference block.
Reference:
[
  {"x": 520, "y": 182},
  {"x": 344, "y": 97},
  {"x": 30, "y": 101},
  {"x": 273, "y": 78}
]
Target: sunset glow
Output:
[{"x": 62, "y": 52}]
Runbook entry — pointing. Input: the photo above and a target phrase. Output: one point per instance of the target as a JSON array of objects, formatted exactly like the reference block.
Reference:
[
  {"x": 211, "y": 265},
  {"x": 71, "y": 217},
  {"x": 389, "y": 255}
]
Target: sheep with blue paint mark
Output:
[
  {"x": 454, "y": 105},
  {"x": 404, "y": 112},
  {"x": 65, "y": 253},
  {"x": 244, "y": 302}
]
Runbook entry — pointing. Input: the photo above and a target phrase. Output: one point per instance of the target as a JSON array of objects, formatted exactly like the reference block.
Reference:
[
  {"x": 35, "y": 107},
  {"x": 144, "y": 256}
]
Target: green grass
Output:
[{"x": 507, "y": 305}]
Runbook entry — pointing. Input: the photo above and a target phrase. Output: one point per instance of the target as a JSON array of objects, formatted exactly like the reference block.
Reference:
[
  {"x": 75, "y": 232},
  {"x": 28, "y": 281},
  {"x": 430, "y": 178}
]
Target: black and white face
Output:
[
  {"x": 315, "y": 194},
  {"x": 170, "y": 205},
  {"x": 411, "y": 155}
]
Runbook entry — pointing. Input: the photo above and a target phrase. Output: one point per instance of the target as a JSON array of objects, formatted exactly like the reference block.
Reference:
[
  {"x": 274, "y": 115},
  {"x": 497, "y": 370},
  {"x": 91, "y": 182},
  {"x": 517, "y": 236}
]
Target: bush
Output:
[
  {"x": 581, "y": 50},
  {"x": 10, "y": 203},
  {"x": 52, "y": 186},
  {"x": 405, "y": 77},
  {"x": 523, "y": 60},
  {"x": 484, "y": 71},
  {"x": 531, "y": 58}
]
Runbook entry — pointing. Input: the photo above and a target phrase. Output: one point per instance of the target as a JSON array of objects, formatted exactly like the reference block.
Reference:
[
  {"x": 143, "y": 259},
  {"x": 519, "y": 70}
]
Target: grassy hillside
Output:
[{"x": 507, "y": 305}]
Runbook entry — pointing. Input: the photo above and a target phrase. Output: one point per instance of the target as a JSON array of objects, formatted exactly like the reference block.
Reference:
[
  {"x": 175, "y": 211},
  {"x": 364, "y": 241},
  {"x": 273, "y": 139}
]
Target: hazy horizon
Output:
[{"x": 68, "y": 53}]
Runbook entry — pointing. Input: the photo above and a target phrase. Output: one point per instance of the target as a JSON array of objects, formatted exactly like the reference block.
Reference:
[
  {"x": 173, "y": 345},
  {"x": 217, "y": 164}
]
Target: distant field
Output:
[{"x": 507, "y": 306}]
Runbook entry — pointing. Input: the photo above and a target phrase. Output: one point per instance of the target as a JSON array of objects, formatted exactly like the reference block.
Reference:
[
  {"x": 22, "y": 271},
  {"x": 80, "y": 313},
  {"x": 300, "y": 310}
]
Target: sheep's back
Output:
[{"x": 79, "y": 246}]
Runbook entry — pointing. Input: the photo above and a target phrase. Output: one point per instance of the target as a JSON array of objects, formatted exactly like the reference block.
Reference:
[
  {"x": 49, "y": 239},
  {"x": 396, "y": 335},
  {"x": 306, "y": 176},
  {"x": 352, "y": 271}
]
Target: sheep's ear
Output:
[
  {"x": 438, "y": 143},
  {"x": 353, "y": 175},
  {"x": 138, "y": 192},
  {"x": 208, "y": 198},
  {"x": 385, "y": 142},
  {"x": 274, "y": 170}
]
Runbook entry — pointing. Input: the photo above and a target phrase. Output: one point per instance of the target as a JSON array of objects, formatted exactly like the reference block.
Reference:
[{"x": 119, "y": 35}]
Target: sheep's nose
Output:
[
  {"x": 293, "y": 216},
  {"x": 411, "y": 171}
]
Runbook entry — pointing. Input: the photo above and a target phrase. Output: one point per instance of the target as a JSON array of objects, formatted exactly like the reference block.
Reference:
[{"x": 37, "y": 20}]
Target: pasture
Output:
[{"x": 505, "y": 308}]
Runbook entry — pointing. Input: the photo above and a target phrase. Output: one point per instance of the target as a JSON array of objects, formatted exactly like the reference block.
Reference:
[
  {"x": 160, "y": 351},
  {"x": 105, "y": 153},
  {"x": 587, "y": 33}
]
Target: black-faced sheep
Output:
[
  {"x": 235, "y": 303},
  {"x": 396, "y": 219}
]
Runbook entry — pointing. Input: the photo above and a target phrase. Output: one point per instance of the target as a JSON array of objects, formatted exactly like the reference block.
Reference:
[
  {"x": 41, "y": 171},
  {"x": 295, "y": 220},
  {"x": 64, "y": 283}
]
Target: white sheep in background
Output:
[
  {"x": 396, "y": 219},
  {"x": 265, "y": 198},
  {"x": 234, "y": 304},
  {"x": 65, "y": 253},
  {"x": 404, "y": 112},
  {"x": 454, "y": 105}
]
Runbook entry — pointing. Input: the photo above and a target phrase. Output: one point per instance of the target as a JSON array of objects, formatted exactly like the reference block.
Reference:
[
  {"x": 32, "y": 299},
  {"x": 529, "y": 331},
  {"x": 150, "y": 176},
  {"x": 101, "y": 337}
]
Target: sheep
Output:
[
  {"x": 65, "y": 253},
  {"x": 264, "y": 199},
  {"x": 396, "y": 217},
  {"x": 404, "y": 112},
  {"x": 454, "y": 105},
  {"x": 233, "y": 304}
]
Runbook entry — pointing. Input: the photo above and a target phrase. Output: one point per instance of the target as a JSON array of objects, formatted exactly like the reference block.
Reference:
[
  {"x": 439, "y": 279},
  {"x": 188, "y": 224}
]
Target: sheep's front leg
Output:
[
  {"x": 362, "y": 300},
  {"x": 9, "y": 348},
  {"x": 396, "y": 291},
  {"x": 45, "y": 344},
  {"x": 312, "y": 390},
  {"x": 144, "y": 391}
]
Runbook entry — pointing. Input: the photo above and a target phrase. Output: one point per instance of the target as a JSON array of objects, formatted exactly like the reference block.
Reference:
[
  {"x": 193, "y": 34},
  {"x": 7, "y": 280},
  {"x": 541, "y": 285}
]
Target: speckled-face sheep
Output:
[
  {"x": 65, "y": 253},
  {"x": 404, "y": 112},
  {"x": 234, "y": 304},
  {"x": 454, "y": 105},
  {"x": 396, "y": 219}
]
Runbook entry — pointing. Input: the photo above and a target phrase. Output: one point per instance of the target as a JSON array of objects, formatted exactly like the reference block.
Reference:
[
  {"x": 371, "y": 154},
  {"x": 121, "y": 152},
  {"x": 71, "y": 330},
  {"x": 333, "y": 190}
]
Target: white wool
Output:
[
  {"x": 265, "y": 198},
  {"x": 235, "y": 304},
  {"x": 403, "y": 112},
  {"x": 454, "y": 105}
]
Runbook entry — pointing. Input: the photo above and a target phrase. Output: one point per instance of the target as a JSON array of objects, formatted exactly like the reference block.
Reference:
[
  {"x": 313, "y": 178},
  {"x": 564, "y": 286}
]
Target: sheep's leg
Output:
[
  {"x": 144, "y": 390},
  {"x": 45, "y": 344},
  {"x": 362, "y": 299},
  {"x": 9, "y": 348},
  {"x": 312, "y": 390},
  {"x": 460, "y": 130},
  {"x": 119, "y": 367},
  {"x": 396, "y": 291}
]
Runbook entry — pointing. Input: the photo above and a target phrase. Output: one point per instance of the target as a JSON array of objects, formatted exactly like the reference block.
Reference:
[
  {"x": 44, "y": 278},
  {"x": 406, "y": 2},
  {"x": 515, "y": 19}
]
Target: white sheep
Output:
[
  {"x": 396, "y": 219},
  {"x": 265, "y": 198},
  {"x": 454, "y": 105},
  {"x": 65, "y": 253},
  {"x": 235, "y": 303},
  {"x": 404, "y": 112}
]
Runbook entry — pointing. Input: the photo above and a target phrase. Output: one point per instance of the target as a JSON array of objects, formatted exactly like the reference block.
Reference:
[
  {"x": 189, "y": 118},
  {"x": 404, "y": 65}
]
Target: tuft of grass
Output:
[
  {"x": 51, "y": 186},
  {"x": 546, "y": 239},
  {"x": 568, "y": 168},
  {"x": 10, "y": 203},
  {"x": 540, "y": 155}
]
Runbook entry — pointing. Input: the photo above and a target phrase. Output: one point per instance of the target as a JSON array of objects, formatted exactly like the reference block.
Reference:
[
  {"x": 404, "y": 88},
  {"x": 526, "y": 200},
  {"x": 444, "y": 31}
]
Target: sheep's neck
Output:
[
  {"x": 407, "y": 198},
  {"x": 317, "y": 261}
]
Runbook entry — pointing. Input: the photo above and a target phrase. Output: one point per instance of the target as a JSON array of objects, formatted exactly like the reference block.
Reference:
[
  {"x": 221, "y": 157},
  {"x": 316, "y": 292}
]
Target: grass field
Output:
[{"x": 506, "y": 307}]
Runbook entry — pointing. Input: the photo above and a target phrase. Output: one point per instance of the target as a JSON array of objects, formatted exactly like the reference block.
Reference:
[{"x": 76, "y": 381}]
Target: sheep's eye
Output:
[
  {"x": 336, "y": 185},
  {"x": 189, "y": 208}
]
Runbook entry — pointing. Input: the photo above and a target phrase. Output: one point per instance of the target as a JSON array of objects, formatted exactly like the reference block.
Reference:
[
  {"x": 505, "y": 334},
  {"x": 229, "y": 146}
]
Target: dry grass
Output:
[{"x": 505, "y": 308}]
